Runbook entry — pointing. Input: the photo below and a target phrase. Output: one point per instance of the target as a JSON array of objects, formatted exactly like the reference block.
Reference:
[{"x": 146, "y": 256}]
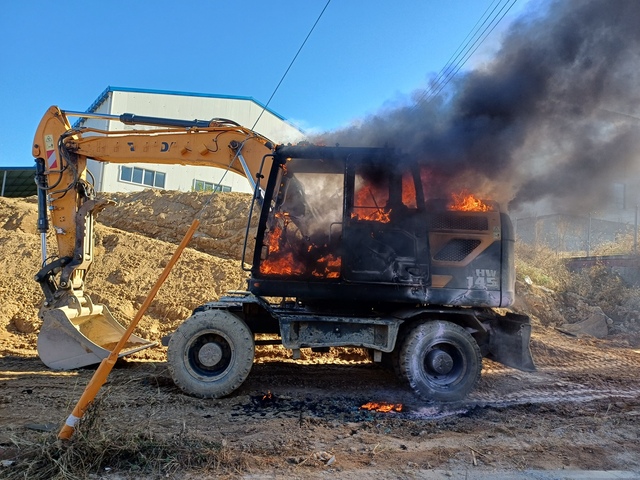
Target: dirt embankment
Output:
[{"x": 133, "y": 242}]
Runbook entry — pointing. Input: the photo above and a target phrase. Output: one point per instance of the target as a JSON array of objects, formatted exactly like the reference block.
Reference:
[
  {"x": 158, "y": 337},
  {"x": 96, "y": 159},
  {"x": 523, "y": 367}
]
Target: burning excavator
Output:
[{"x": 350, "y": 250}]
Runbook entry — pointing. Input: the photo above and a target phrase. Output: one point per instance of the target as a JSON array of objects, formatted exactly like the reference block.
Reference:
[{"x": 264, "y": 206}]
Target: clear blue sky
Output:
[{"x": 362, "y": 55}]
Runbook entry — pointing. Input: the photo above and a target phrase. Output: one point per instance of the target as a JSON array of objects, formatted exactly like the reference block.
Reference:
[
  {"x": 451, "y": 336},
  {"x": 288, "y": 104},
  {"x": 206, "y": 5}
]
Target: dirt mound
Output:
[
  {"x": 134, "y": 241},
  {"x": 166, "y": 215}
]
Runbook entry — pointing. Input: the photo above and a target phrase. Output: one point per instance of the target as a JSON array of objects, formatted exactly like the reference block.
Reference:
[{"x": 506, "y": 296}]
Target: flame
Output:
[
  {"x": 273, "y": 239},
  {"x": 466, "y": 202},
  {"x": 281, "y": 260},
  {"x": 267, "y": 396},
  {"x": 376, "y": 216},
  {"x": 409, "y": 197},
  {"x": 283, "y": 264},
  {"x": 382, "y": 407},
  {"x": 331, "y": 269},
  {"x": 367, "y": 205},
  {"x": 285, "y": 257}
]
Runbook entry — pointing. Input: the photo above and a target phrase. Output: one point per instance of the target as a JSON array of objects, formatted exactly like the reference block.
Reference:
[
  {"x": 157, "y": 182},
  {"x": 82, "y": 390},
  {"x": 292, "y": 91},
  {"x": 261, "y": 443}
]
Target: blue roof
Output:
[{"x": 103, "y": 96}]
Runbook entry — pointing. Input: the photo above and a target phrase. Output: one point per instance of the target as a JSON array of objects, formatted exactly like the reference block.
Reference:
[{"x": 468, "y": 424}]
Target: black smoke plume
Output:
[{"x": 554, "y": 116}]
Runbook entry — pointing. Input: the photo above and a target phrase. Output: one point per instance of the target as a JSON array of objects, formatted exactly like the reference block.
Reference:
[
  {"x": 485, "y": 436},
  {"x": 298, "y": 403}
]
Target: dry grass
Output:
[
  {"x": 597, "y": 286},
  {"x": 624, "y": 245},
  {"x": 96, "y": 449},
  {"x": 542, "y": 265},
  {"x": 605, "y": 289}
]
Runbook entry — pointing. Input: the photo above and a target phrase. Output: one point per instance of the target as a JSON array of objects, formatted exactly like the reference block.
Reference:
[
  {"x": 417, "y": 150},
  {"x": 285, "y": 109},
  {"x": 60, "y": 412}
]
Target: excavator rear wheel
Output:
[
  {"x": 211, "y": 354},
  {"x": 440, "y": 360}
]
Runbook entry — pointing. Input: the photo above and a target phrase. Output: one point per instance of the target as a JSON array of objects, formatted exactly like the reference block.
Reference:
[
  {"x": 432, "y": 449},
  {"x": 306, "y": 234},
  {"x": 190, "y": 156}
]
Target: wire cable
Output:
[
  {"x": 443, "y": 80},
  {"x": 462, "y": 51},
  {"x": 459, "y": 51},
  {"x": 470, "y": 54},
  {"x": 291, "y": 64}
]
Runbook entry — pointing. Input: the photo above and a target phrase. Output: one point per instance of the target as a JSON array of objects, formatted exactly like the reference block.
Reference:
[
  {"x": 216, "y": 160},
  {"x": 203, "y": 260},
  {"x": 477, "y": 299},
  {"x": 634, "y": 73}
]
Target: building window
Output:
[
  {"x": 142, "y": 176},
  {"x": 202, "y": 186}
]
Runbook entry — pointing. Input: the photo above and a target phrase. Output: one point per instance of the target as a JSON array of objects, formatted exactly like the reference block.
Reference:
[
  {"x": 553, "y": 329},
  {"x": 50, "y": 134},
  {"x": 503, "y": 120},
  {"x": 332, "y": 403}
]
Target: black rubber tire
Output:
[
  {"x": 211, "y": 354},
  {"x": 442, "y": 345}
]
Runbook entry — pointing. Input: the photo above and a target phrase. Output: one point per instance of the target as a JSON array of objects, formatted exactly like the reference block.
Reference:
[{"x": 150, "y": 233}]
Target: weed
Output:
[{"x": 96, "y": 447}]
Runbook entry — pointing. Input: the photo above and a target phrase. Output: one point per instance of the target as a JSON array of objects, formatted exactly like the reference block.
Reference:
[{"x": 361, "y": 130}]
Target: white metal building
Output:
[{"x": 111, "y": 177}]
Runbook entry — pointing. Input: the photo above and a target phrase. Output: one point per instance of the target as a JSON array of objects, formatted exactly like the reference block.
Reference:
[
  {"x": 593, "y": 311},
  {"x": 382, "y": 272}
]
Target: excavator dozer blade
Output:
[
  {"x": 510, "y": 337},
  {"x": 69, "y": 339}
]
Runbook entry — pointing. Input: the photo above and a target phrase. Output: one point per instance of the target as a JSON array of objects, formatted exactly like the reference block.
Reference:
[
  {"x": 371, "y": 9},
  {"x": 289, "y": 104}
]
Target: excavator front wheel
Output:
[
  {"x": 440, "y": 360},
  {"x": 211, "y": 354}
]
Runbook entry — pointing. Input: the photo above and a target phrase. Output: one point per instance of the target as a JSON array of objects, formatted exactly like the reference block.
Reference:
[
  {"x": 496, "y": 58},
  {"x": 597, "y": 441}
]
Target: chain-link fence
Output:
[{"x": 574, "y": 235}]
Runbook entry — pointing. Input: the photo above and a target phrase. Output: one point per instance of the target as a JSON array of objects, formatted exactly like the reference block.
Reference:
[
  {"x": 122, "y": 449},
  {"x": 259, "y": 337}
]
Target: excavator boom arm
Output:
[
  {"x": 64, "y": 151},
  {"x": 75, "y": 332}
]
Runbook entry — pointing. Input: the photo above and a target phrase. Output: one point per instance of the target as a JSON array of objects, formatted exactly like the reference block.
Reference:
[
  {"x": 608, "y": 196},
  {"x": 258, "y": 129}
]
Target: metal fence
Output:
[{"x": 579, "y": 235}]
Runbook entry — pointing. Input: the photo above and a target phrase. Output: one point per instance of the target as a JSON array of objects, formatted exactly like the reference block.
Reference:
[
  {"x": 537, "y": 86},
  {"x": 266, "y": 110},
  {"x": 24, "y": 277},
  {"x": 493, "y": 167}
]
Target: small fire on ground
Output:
[{"x": 382, "y": 407}]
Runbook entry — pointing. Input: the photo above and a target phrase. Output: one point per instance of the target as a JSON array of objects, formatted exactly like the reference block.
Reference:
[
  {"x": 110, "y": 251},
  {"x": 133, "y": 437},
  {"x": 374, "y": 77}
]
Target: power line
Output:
[
  {"x": 459, "y": 51},
  {"x": 470, "y": 54},
  {"x": 449, "y": 71},
  {"x": 291, "y": 64},
  {"x": 628, "y": 115},
  {"x": 274, "y": 92},
  {"x": 444, "y": 78}
]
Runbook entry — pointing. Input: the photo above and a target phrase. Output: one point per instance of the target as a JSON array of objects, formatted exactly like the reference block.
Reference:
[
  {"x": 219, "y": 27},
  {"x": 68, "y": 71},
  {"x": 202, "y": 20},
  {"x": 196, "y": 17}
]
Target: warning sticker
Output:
[{"x": 52, "y": 159}]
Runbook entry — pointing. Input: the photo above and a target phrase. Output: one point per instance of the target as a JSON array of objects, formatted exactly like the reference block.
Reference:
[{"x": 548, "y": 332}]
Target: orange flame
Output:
[
  {"x": 375, "y": 216},
  {"x": 283, "y": 264},
  {"x": 281, "y": 260},
  {"x": 331, "y": 268},
  {"x": 466, "y": 202},
  {"x": 367, "y": 206},
  {"x": 382, "y": 407},
  {"x": 287, "y": 258},
  {"x": 409, "y": 197}
]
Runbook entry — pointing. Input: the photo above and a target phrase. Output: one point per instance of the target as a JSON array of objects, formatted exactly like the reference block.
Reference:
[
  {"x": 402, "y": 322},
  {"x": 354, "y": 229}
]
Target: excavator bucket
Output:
[{"x": 72, "y": 338}]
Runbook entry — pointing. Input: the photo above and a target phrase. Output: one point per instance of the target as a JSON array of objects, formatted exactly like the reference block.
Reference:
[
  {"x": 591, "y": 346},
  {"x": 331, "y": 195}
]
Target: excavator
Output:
[{"x": 351, "y": 249}]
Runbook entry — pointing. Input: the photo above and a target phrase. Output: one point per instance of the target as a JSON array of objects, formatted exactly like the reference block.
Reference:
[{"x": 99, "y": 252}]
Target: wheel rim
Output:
[
  {"x": 209, "y": 355},
  {"x": 444, "y": 364}
]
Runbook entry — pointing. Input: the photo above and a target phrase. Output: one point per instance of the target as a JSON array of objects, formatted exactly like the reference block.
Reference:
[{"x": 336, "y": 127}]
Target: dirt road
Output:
[{"x": 579, "y": 410}]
